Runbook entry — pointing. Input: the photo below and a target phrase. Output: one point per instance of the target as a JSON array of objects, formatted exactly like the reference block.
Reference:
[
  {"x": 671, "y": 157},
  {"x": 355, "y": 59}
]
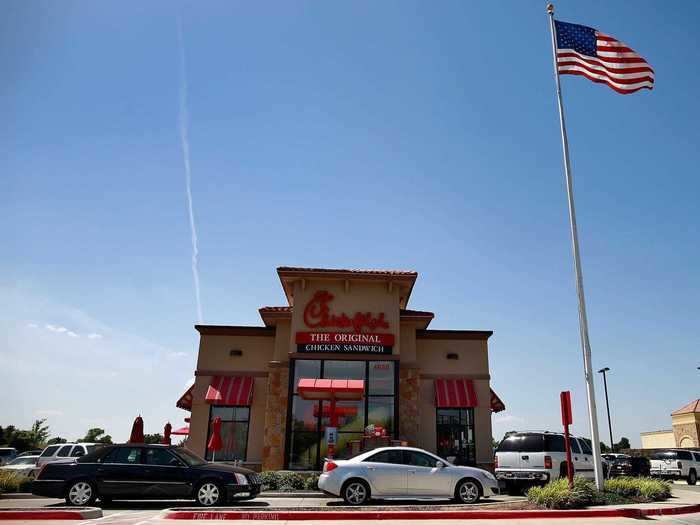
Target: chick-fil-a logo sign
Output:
[{"x": 317, "y": 314}]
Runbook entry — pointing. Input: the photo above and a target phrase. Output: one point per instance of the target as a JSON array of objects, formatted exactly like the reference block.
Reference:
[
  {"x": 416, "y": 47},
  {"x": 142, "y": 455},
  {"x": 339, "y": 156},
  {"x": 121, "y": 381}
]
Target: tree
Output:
[
  {"x": 96, "y": 435},
  {"x": 624, "y": 444},
  {"x": 152, "y": 439},
  {"x": 604, "y": 448},
  {"x": 39, "y": 433}
]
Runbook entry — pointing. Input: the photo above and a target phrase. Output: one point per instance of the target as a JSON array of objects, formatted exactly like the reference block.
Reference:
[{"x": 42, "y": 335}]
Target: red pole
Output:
[
  {"x": 334, "y": 423},
  {"x": 567, "y": 419},
  {"x": 569, "y": 466}
]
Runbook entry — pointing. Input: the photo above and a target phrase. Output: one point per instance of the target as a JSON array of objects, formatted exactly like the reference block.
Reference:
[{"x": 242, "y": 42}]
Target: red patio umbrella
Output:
[
  {"x": 137, "y": 431},
  {"x": 215, "y": 442},
  {"x": 184, "y": 431},
  {"x": 166, "y": 434}
]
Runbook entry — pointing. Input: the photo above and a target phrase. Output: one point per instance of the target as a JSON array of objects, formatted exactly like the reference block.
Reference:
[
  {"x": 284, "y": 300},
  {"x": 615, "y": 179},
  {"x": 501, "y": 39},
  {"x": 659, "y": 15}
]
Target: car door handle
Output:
[
  {"x": 371, "y": 468},
  {"x": 525, "y": 457},
  {"x": 413, "y": 471}
]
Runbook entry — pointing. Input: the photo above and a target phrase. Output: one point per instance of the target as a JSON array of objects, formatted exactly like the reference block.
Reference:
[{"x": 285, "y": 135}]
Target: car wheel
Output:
[
  {"x": 692, "y": 477},
  {"x": 81, "y": 493},
  {"x": 356, "y": 492},
  {"x": 468, "y": 491},
  {"x": 209, "y": 494}
]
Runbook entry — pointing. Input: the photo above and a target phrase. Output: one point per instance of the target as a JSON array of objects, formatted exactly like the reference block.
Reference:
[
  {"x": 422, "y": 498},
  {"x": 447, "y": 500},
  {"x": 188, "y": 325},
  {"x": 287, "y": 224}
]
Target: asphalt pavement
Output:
[{"x": 148, "y": 512}]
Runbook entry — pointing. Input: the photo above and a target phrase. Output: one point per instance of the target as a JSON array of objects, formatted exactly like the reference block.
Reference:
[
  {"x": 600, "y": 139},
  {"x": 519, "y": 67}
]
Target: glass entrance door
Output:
[{"x": 455, "y": 435}]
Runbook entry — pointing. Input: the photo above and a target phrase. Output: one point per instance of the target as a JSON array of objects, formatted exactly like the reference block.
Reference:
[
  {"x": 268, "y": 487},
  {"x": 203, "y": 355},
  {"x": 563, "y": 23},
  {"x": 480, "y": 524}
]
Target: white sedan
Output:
[
  {"x": 403, "y": 472},
  {"x": 22, "y": 466}
]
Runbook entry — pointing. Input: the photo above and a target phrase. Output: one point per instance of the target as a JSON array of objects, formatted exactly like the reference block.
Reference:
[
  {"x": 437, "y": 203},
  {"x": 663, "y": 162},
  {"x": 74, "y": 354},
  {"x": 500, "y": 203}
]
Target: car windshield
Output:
[
  {"x": 188, "y": 457},
  {"x": 23, "y": 461},
  {"x": 664, "y": 455}
]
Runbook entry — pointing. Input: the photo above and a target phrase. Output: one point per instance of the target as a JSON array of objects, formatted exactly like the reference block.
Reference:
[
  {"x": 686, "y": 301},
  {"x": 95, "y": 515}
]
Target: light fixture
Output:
[{"x": 236, "y": 352}]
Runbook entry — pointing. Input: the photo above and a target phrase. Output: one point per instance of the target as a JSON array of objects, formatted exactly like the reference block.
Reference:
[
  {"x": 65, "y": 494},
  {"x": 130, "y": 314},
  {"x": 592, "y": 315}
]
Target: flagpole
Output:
[{"x": 583, "y": 321}]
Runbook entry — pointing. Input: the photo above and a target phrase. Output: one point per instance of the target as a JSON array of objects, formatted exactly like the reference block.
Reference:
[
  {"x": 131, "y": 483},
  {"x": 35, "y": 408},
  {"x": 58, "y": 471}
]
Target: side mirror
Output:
[
  {"x": 174, "y": 463},
  {"x": 439, "y": 464}
]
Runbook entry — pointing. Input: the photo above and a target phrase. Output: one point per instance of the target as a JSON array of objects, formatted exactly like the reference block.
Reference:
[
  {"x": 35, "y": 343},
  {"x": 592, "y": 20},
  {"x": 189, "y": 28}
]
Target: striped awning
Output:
[
  {"x": 230, "y": 390},
  {"x": 496, "y": 404},
  {"x": 185, "y": 401},
  {"x": 455, "y": 393}
]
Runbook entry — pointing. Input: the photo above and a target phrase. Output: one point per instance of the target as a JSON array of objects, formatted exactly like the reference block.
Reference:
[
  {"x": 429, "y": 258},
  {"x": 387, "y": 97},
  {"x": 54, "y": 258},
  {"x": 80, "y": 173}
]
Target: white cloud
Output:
[
  {"x": 56, "y": 328},
  {"x": 94, "y": 336},
  {"x": 507, "y": 418},
  {"x": 71, "y": 334},
  {"x": 46, "y": 412},
  {"x": 32, "y": 325}
]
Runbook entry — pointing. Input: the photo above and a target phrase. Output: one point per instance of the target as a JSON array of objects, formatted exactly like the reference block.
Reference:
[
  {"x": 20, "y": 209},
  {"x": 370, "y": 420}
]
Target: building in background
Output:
[
  {"x": 345, "y": 334},
  {"x": 685, "y": 432}
]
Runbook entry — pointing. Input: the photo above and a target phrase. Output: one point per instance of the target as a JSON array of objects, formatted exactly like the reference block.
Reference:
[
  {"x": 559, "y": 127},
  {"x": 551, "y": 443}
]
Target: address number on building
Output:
[{"x": 344, "y": 343}]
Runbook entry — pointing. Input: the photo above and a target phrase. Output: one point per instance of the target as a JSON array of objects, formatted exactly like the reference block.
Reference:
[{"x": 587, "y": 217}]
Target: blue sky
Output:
[{"x": 408, "y": 135}]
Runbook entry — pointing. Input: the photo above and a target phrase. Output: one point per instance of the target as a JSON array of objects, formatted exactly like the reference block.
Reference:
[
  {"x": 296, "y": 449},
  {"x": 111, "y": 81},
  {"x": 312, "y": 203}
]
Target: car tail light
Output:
[
  {"x": 495, "y": 462},
  {"x": 328, "y": 466},
  {"x": 548, "y": 462}
]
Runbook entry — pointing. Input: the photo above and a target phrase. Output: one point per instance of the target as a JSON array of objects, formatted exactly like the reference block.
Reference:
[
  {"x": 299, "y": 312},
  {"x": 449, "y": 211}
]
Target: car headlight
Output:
[{"x": 241, "y": 479}]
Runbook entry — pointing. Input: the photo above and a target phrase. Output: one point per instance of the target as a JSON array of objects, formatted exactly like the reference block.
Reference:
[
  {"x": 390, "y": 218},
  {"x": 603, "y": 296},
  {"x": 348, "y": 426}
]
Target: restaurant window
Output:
[
  {"x": 306, "y": 447},
  {"x": 234, "y": 432},
  {"x": 455, "y": 435}
]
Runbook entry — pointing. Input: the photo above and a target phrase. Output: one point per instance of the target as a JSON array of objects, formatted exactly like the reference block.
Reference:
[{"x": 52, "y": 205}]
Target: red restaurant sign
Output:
[{"x": 317, "y": 314}]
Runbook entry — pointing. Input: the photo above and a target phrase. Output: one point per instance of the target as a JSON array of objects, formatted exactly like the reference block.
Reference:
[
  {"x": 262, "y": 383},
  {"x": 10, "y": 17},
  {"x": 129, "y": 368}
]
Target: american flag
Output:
[{"x": 601, "y": 58}]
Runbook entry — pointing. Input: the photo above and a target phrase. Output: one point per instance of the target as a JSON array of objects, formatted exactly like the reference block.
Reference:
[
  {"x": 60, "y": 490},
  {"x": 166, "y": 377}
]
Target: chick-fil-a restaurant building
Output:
[{"x": 344, "y": 351}]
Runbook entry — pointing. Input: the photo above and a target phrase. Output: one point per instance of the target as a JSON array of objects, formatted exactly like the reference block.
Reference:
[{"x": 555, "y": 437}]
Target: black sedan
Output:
[
  {"x": 625, "y": 465},
  {"x": 133, "y": 471}
]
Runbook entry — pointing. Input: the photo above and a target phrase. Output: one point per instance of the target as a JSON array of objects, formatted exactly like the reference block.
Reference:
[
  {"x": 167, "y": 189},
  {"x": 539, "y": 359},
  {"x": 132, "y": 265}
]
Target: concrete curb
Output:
[
  {"x": 18, "y": 495},
  {"x": 53, "y": 513},
  {"x": 275, "y": 494},
  {"x": 193, "y": 514}
]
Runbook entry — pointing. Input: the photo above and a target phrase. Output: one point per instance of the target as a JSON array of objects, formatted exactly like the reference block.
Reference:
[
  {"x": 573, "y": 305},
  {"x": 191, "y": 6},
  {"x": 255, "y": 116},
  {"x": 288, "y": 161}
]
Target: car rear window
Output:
[
  {"x": 555, "y": 443},
  {"x": 664, "y": 455},
  {"x": 522, "y": 443},
  {"x": 49, "y": 451},
  {"x": 387, "y": 456},
  {"x": 697, "y": 456},
  {"x": 684, "y": 454}
]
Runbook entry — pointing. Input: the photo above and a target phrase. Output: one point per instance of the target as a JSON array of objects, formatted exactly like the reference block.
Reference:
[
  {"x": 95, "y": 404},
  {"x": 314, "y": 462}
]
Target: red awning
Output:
[
  {"x": 340, "y": 389},
  {"x": 496, "y": 404},
  {"x": 455, "y": 393},
  {"x": 185, "y": 401},
  {"x": 230, "y": 390}
]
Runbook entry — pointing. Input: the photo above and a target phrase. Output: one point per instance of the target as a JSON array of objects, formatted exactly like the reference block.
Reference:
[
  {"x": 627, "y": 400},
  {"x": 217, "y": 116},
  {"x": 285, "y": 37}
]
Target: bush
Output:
[
  {"x": 286, "y": 481},
  {"x": 311, "y": 482},
  {"x": 642, "y": 489},
  {"x": 557, "y": 494},
  {"x": 14, "y": 482}
]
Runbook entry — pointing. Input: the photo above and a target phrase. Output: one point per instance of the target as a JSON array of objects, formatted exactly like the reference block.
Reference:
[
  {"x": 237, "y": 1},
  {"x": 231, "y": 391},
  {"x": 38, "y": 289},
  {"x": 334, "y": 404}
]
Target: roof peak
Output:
[{"x": 690, "y": 408}]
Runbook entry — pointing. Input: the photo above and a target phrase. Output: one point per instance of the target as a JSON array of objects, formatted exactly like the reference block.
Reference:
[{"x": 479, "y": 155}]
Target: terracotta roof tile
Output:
[
  {"x": 275, "y": 309},
  {"x": 407, "y": 273},
  {"x": 693, "y": 406}
]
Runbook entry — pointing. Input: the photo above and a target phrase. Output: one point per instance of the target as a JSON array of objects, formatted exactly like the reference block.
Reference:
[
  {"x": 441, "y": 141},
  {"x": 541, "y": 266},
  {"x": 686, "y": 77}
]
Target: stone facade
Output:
[
  {"x": 409, "y": 393},
  {"x": 686, "y": 435},
  {"x": 275, "y": 418}
]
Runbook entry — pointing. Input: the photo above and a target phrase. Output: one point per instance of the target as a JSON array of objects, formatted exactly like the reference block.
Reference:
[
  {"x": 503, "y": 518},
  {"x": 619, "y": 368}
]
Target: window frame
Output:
[
  {"x": 67, "y": 454},
  {"x": 323, "y": 359},
  {"x": 223, "y": 421},
  {"x": 116, "y": 450},
  {"x": 469, "y": 416}
]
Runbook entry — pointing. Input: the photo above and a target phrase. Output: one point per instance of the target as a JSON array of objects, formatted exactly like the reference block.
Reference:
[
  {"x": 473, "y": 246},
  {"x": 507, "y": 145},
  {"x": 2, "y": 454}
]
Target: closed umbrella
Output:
[
  {"x": 166, "y": 434},
  {"x": 137, "y": 431},
  {"x": 184, "y": 431},
  {"x": 215, "y": 442}
]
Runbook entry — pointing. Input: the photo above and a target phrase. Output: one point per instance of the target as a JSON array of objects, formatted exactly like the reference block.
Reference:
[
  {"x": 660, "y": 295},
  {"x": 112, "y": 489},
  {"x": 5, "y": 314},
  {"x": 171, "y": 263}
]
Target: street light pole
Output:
[{"x": 607, "y": 405}]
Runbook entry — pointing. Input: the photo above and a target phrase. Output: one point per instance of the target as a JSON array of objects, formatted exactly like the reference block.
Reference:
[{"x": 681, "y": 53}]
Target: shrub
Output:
[
  {"x": 557, "y": 494},
  {"x": 644, "y": 489},
  {"x": 286, "y": 481},
  {"x": 14, "y": 482},
  {"x": 311, "y": 482}
]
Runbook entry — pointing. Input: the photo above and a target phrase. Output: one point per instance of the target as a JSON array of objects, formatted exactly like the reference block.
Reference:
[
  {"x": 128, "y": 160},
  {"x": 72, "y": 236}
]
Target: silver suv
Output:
[
  {"x": 524, "y": 459},
  {"x": 64, "y": 452}
]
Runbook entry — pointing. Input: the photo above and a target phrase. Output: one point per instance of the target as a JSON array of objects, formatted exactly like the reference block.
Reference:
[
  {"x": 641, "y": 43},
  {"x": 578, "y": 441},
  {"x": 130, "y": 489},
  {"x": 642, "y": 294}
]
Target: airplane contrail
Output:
[{"x": 185, "y": 142}]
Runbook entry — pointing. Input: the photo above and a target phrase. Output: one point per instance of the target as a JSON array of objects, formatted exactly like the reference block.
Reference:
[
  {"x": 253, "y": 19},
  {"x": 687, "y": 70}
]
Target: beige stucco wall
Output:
[
  {"x": 472, "y": 364},
  {"x": 214, "y": 357},
  {"x": 374, "y": 297},
  {"x": 658, "y": 439}
]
